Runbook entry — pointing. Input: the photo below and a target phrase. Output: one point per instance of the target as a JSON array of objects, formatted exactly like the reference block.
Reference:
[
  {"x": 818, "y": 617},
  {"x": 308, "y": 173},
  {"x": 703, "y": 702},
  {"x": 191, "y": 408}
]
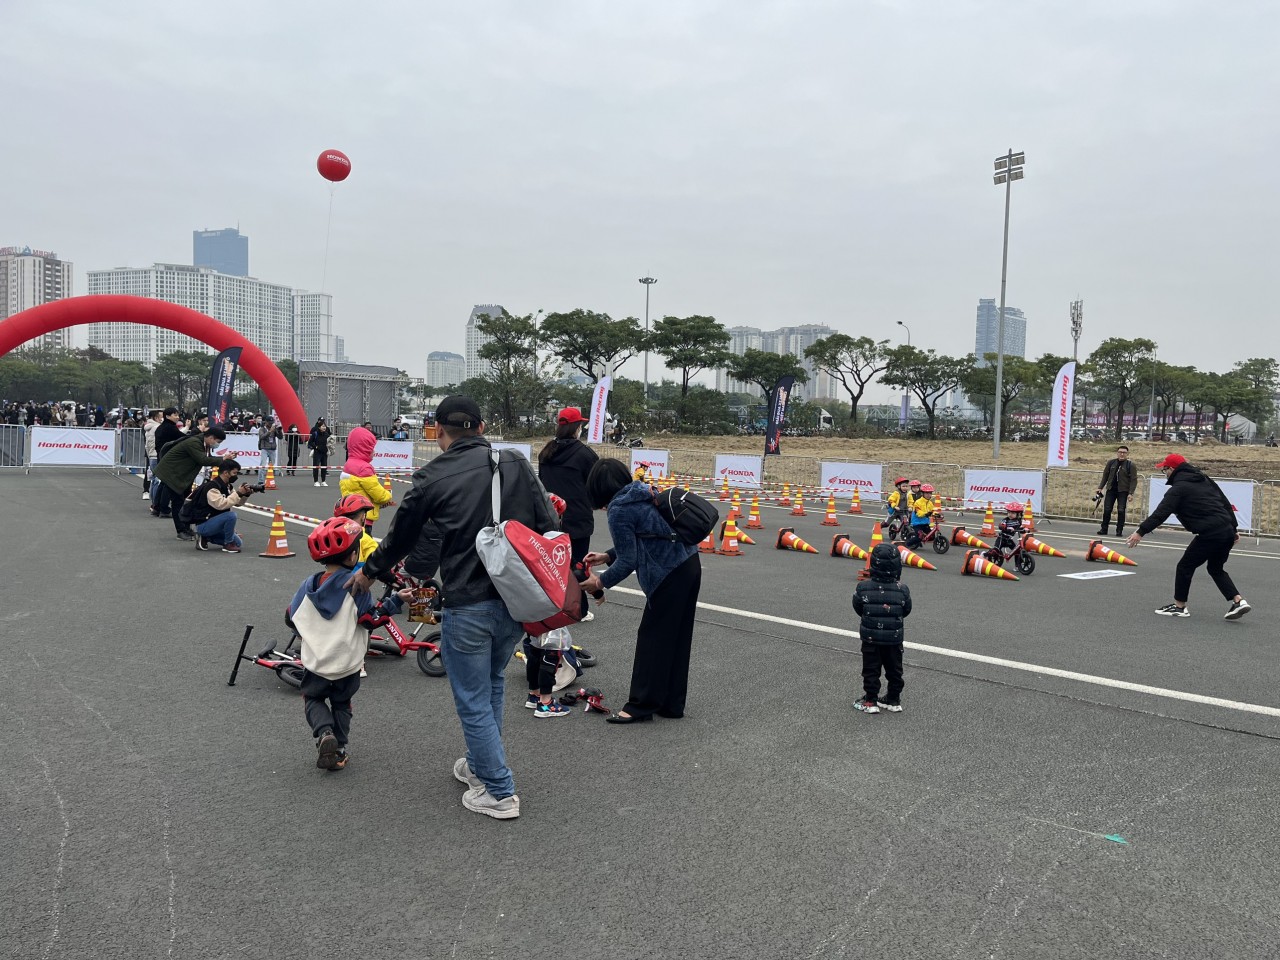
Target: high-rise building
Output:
[
  {"x": 477, "y": 366},
  {"x": 790, "y": 341},
  {"x": 29, "y": 278},
  {"x": 263, "y": 313},
  {"x": 313, "y": 313},
  {"x": 988, "y": 330},
  {"x": 445, "y": 369},
  {"x": 226, "y": 251}
]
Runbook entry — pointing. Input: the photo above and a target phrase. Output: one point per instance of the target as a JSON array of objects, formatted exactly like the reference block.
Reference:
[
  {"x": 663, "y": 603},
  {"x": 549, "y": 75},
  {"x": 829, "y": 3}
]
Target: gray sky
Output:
[{"x": 771, "y": 163}]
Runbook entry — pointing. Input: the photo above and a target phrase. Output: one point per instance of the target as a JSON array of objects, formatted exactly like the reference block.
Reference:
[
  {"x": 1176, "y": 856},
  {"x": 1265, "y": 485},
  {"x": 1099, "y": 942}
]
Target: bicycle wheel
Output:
[
  {"x": 584, "y": 656},
  {"x": 1026, "y": 564},
  {"x": 429, "y": 661},
  {"x": 290, "y": 673},
  {"x": 940, "y": 543}
]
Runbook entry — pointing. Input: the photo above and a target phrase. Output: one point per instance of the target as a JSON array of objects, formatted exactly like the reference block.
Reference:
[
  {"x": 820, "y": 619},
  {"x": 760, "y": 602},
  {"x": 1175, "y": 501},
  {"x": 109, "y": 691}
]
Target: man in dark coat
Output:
[
  {"x": 1204, "y": 510},
  {"x": 177, "y": 470},
  {"x": 1119, "y": 479}
]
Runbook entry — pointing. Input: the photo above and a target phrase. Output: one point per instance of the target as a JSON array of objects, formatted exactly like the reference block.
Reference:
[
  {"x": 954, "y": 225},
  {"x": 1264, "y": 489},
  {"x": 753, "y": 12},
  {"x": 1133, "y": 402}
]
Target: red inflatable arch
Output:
[{"x": 112, "y": 308}]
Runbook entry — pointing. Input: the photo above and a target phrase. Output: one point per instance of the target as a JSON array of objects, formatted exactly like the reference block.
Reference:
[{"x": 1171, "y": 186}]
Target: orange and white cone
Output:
[
  {"x": 1103, "y": 554},
  {"x": 842, "y": 546},
  {"x": 989, "y": 522},
  {"x": 729, "y": 539},
  {"x": 798, "y": 509},
  {"x": 831, "y": 520},
  {"x": 960, "y": 537},
  {"x": 753, "y": 519},
  {"x": 278, "y": 540},
  {"x": 1028, "y": 519},
  {"x": 877, "y": 538},
  {"x": 855, "y": 505},
  {"x": 386, "y": 482},
  {"x": 735, "y": 511},
  {"x": 270, "y": 482},
  {"x": 785, "y": 500},
  {"x": 744, "y": 540},
  {"x": 976, "y": 565},
  {"x": 787, "y": 540},
  {"x": 709, "y": 544},
  {"x": 1032, "y": 545},
  {"x": 724, "y": 490},
  {"x": 912, "y": 559}
]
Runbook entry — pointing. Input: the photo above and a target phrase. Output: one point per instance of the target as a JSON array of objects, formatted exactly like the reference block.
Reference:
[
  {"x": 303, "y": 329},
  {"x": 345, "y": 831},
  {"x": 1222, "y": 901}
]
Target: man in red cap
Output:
[{"x": 1203, "y": 509}]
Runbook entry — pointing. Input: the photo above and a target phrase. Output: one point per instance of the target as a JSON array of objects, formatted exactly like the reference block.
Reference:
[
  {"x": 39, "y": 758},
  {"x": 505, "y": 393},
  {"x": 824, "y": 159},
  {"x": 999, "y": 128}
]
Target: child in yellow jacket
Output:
[
  {"x": 355, "y": 506},
  {"x": 358, "y": 475}
]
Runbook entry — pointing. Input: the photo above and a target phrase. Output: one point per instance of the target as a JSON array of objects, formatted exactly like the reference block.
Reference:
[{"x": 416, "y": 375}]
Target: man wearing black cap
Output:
[{"x": 453, "y": 491}]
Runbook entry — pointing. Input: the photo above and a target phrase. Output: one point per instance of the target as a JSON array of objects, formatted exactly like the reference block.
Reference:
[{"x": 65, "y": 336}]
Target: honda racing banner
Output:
[
  {"x": 843, "y": 478},
  {"x": 777, "y": 413},
  {"x": 740, "y": 471},
  {"x": 1239, "y": 492},
  {"x": 221, "y": 382},
  {"x": 654, "y": 462},
  {"x": 524, "y": 449},
  {"x": 599, "y": 403},
  {"x": 73, "y": 447},
  {"x": 242, "y": 447},
  {"x": 1004, "y": 486},
  {"x": 1063, "y": 396},
  {"x": 392, "y": 456}
]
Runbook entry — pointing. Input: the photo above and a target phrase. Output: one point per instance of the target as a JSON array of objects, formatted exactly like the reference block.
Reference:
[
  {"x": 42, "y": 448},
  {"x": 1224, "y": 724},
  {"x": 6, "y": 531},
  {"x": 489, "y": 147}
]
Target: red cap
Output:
[
  {"x": 570, "y": 415},
  {"x": 1172, "y": 460}
]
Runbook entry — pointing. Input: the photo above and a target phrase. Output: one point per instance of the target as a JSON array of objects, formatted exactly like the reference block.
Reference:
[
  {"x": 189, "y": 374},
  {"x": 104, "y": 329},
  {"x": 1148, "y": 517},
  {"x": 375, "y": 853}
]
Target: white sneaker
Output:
[
  {"x": 462, "y": 773},
  {"x": 1238, "y": 609},
  {"x": 1173, "y": 610},
  {"x": 589, "y": 617},
  {"x": 324, "y": 483},
  {"x": 316, "y": 484},
  {"x": 479, "y": 800}
]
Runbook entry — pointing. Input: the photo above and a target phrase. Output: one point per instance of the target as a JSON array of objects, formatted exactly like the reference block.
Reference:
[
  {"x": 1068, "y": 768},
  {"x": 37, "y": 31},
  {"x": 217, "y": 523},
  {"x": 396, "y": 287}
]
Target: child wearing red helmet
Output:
[
  {"x": 326, "y": 616},
  {"x": 356, "y": 506}
]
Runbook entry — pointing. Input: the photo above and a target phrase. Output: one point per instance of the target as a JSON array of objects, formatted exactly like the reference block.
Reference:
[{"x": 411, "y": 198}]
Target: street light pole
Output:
[
  {"x": 1008, "y": 169},
  {"x": 1077, "y": 326},
  {"x": 648, "y": 282},
  {"x": 904, "y": 418}
]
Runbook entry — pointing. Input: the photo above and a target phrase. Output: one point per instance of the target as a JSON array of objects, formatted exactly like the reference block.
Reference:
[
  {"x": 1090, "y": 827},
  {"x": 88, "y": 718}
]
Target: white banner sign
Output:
[
  {"x": 655, "y": 462},
  {"x": 599, "y": 402},
  {"x": 1064, "y": 388},
  {"x": 524, "y": 449},
  {"x": 241, "y": 447},
  {"x": 740, "y": 471},
  {"x": 1004, "y": 486},
  {"x": 73, "y": 447},
  {"x": 843, "y": 478},
  {"x": 1239, "y": 492},
  {"x": 392, "y": 456}
]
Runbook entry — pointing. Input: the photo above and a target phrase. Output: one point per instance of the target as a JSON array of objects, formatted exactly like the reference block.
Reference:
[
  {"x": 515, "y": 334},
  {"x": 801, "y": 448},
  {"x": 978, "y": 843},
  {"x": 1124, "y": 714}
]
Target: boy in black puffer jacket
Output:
[{"x": 882, "y": 603}]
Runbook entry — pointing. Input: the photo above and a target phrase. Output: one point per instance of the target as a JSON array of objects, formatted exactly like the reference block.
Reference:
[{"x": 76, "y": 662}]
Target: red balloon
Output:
[{"x": 334, "y": 165}]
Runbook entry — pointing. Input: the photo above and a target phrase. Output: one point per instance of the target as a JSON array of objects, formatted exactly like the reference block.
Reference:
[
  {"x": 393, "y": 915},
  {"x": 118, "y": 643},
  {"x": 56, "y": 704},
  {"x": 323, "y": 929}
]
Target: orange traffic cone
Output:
[
  {"x": 787, "y": 540},
  {"x": 277, "y": 540},
  {"x": 753, "y": 520},
  {"x": 785, "y": 499},
  {"x": 386, "y": 482},
  {"x": 798, "y": 509},
  {"x": 1030, "y": 544},
  {"x": 877, "y": 537},
  {"x": 729, "y": 539},
  {"x": 910, "y": 559},
  {"x": 855, "y": 505},
  {"x": 270, "y": 482},
  {"x": 989, "y": 522},
  {"x": 708, "y": 545},
  {"x": 1028, "y": 519},
  {"x": 743, "y": 539},
  {"x": 842, "y": 546},
  {"x": 960, "y": 537},
  {"x": 724, "y": 490},
  {"x": 1104, "y": 554},
  {"x": 735, "y": 511},
  {"x": 975, "y": 565},
  {"x": 831, "y": 520}
]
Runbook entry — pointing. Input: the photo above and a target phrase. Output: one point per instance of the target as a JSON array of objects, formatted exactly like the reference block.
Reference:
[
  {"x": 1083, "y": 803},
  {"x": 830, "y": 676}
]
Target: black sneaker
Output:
[
  {"x": 1173, "y": 610},
  {"x": 202, "y": 543},
  {"x": 327, "y": 751},
  {"x": 1100, "y": 533},
  {"x": 890, "y": 706},
  {"x": 186, "y": 535},
  {"x": 1238, "y": 609}
]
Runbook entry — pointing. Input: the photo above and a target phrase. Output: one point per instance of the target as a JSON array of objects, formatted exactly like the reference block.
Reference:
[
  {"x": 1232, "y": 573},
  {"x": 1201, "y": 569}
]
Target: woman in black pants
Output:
[
  {"x": 318, "y": 444},
  {"x": 292, "y": 444},
  {"x": 670, "y": 575},
  {"x": 563, "y": 465}
]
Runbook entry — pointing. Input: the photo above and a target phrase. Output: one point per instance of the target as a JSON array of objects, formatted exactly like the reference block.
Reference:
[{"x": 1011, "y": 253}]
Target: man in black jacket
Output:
[
  {"x": 453, "y": 491},
  {"x": 1203, "y": 509},
  {"x": 1119, "y": 479},
  {"x": 166, "y": 433}
]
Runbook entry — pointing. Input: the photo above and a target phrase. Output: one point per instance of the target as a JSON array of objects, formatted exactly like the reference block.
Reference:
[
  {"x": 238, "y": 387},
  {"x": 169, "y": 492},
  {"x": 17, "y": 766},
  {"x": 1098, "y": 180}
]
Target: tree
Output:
[
  {"x": 690, "y": 345},
  {"x": 1121, "y": 367},
  {"x": 852, "y": 361},
  {"x": 927, "y": 374},
  {"x": 589, "y": 342},
  {"x": 513, "y": 352},
  {"x": 764, "y": 369},
  {"x": 181, "y": 376},
  {"x": 1019, "y": 376},
  {"x": 1263, "y": 376}
]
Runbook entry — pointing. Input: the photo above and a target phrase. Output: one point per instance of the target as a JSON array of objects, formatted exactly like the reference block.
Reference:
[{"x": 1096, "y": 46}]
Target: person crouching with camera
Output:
[{"x": 209, "y": 509}]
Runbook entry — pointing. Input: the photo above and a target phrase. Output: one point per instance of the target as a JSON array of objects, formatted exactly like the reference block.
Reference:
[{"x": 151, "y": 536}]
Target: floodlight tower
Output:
[{"x": 1008, "y": 169}]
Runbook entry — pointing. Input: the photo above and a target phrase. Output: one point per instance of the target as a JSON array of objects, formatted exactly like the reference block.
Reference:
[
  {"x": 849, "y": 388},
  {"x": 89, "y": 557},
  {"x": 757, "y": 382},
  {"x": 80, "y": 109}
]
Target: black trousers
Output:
[
  {"x": 660, "y": 671},
  {"x": 170, "y": 501},
  {"x": 293, "y": 460},
  {"x": 540, "y": 668},
  {"x": 1119, "y": 499},
  {"x": 1212, "y": 551},
  {"x": 319, "y": 465},
  {"x": 886, "y": 657},
  {"x": 579, "y": 547},
  {"x": 327, "y": 704}
]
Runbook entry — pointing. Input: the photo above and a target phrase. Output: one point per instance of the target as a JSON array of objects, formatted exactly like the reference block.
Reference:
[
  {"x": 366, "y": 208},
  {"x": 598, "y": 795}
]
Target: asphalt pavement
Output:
[{"x": 1120, "y": 807}]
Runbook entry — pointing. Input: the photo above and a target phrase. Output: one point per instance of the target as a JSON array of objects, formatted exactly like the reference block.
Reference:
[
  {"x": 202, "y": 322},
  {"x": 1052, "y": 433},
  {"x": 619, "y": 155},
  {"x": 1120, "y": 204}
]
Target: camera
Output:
[
  {"x": 1097, "y": 498},
  {"x": 257, "y": 487}
]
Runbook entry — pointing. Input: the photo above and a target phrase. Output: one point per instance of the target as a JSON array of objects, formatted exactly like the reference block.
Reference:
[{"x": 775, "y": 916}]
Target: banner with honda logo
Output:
[
  {"x": 1003, "y": 486},
  {"x": 1239, "y": 492},
  {"x": 655, "y": 462},
  {"x": 392, "y": 455},
  {"x": 843, "y": 478},
  {"x": 73, "y": 447},
  {"x": 241, "y": 447},
  {"x": 739, "y": 470}
]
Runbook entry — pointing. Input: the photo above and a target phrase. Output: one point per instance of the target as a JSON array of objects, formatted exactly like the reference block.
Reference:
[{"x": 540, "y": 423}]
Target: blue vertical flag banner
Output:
[
  {"x": 221, "y": 382},
  {"x": 778, "y": 397}
]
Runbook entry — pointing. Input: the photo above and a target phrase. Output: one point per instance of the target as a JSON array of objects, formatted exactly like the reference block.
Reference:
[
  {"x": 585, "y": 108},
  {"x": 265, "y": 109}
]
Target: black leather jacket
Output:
[{"x": 453, "y": 491}]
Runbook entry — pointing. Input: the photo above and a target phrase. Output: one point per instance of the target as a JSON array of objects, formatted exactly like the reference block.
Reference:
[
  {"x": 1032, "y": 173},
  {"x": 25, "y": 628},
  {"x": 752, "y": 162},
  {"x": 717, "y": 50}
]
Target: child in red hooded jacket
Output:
[{"x": 358, "y": 475}]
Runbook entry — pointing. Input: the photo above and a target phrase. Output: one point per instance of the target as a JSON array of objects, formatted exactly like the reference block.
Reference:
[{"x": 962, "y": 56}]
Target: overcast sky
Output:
[{"x": 770, "y": 163}]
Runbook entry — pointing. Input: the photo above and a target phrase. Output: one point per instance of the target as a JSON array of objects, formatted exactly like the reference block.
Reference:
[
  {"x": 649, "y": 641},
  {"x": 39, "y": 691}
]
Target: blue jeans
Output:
[
  {"x": 151, "y": 472},
  {"x": 220, "y": 528},
  {"x": 476, "y": 646}
]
